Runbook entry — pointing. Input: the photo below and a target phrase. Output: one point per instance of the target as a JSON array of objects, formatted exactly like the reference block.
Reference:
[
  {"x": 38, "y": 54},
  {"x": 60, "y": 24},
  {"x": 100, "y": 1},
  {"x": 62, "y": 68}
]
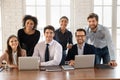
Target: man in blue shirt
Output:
[{"x": 100, "y": 37}]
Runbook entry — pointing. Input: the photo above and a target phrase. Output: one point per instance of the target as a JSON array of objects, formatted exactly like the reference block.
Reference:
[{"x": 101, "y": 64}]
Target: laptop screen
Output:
[
  {"x": 28, "y": 63},
  {"x": 84, "y": 61}
]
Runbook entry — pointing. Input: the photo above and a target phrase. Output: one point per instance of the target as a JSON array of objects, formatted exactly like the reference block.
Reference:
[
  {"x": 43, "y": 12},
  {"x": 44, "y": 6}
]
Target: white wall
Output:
[
  {"x": 79, "y": 13},
  {"x": 13, "y": 11}
]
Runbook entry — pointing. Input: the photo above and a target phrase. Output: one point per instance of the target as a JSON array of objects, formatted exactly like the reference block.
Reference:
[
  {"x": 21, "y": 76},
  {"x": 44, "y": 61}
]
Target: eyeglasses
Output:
[{"x": 80, "y": 35}]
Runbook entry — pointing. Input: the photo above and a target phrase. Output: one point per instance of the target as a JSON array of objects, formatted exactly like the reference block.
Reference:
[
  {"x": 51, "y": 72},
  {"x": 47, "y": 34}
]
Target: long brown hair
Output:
[{"x": 9, "y": 50}]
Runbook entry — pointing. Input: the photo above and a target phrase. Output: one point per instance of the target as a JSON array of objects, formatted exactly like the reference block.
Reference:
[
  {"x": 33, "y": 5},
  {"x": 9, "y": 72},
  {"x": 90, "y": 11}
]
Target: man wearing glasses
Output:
[{"x": 81, "y": 48}]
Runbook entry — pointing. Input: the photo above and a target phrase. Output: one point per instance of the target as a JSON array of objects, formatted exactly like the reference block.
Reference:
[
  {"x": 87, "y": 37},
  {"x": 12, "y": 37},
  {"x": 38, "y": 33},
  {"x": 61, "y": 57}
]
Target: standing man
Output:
[
  {"x": 64, "y": 37},
  {"x": 100, "y": 37},
  {"x": 49, "y": 51}
]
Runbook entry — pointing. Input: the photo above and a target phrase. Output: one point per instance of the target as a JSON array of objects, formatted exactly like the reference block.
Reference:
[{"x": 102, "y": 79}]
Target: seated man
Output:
[
  {"x": 49, "y": 51},
  {"x": 81, "y": 48}
]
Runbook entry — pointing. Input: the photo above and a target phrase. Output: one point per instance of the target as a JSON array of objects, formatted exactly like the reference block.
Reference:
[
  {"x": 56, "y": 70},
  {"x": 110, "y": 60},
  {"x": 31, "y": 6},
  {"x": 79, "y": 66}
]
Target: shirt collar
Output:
[
  {"x": 50, "y": 43},
  {"x": 60, "y": 30},
  {"x": 98, "y": 28},
  {"x": 82, "y": 46}
]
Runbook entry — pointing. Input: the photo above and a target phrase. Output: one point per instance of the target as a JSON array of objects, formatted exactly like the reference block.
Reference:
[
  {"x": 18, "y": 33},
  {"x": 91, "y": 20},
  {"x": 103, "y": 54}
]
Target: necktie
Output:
[{"x": 47, "y": 53}]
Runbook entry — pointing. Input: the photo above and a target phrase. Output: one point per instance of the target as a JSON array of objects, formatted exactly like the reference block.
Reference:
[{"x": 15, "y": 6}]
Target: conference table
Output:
[{"x": 76, "y": 74}]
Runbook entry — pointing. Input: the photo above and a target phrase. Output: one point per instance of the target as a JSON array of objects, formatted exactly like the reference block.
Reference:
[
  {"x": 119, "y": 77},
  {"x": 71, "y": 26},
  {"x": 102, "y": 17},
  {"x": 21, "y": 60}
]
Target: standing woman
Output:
[
  {"x": 29, "y": 36},
  {"x": 13, "y": 52},
  {"x": 64, "y": 37}
]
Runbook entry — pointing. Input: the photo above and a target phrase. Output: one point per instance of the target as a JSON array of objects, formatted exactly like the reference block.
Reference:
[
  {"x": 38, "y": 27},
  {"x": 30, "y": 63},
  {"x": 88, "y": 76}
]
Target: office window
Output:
[
  {"x": 48, "y": 12},
  {"x": 118, "y": 25},
  {"x": 0, "y": 32},
  {"x": 59, "y": 8},
  {"x": 105, "y": 8}
]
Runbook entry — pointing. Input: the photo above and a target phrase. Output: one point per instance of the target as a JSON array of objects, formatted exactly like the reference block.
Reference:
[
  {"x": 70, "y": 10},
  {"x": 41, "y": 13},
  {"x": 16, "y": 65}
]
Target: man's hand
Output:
[
  {"x": 69, "y": 46},
  {"x": 112, "y": 63},
  {"x": 72, "y": 63}
]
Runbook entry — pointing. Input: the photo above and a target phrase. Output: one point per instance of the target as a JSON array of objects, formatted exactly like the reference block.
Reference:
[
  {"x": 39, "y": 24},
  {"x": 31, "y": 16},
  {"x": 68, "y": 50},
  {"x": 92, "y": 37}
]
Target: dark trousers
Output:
[
  {"x": 63, "y": 57},
  {"x": 102, "y": 53}
]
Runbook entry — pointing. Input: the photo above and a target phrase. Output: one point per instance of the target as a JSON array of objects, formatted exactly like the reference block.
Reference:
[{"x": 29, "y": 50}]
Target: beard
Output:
[{"x": 93, "y": 28}]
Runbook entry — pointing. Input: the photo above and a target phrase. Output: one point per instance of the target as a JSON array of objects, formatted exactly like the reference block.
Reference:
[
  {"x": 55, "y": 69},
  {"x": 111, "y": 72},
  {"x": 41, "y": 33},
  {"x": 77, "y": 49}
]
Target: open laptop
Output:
[
  {"x": 28, "y": 63},
  {"x": 84, "y": 61}
]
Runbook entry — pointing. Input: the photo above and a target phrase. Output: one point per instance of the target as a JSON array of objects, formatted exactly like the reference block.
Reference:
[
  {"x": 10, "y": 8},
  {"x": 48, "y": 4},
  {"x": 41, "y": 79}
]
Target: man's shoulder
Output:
[
  {"x": 74, "y": 47},
  {"x": 89, "y": 45},
  {"x": 102, "y": 27},
  {"x": 57, "y": 44}
]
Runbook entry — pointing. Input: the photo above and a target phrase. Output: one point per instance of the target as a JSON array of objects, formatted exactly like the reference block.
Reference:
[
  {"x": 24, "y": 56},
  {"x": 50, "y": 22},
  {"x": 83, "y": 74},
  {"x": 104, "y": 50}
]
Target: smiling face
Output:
[
  {"x": 13, "y": 43},
  {"x": 63, "y": 23},
  {"x": 92, "y": 22},
  {"x": 49, "y": 34},
  {"x": 29, "y": 24},
  {"x": 80, "y": 37}
]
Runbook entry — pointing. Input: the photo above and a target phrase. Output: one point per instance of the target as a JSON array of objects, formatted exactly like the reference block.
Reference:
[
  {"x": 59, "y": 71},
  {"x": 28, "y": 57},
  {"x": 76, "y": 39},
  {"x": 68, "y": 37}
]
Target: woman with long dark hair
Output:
[{"x": 12, "y": 52}]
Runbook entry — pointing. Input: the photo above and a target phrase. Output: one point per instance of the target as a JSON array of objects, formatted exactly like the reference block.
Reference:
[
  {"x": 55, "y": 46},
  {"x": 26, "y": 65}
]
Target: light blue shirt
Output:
[{"x": 100, "y": 39}]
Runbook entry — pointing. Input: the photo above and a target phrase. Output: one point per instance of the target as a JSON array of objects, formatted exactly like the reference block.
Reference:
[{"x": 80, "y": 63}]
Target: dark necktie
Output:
[{"x": 47, "y": 53}]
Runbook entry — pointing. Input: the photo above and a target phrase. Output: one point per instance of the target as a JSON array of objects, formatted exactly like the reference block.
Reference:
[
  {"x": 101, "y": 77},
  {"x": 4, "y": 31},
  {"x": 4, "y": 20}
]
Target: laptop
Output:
[
  {"x": 84, "y": 61},
  {"x": 28, "y": 63}
]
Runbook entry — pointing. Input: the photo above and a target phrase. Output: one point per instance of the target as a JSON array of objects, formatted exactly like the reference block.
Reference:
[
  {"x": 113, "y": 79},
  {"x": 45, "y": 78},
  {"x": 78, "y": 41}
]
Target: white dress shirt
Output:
[
  {"x": 80, "y": 50},
  {"x": 14, "y": 55},
  {"x": 55, "y": 53}
]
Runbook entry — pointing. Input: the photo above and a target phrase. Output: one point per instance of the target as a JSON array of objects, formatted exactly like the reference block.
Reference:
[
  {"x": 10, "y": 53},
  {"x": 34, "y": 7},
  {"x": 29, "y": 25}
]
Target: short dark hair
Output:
[
  {"x": 80, "y": 29},
  {"x": 64, "y": 17},
  {"x": 93, "y": 15},
  {"x": 34, "y": 19},
  {"x": 49, "y": 27}
]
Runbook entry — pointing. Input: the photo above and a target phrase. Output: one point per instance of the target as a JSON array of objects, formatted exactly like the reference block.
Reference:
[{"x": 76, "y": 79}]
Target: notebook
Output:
[
  {"x": 28, "y": 63},
  {"x": 67, "y": 67},
  {"x": 84, "y": 61},
  {"x": 53, "y": 68}
]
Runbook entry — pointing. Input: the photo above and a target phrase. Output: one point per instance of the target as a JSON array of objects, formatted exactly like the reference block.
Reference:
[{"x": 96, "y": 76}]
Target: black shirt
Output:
[
  {"x": 63, "y": 38},
  {"x": 28, "y": 42}
]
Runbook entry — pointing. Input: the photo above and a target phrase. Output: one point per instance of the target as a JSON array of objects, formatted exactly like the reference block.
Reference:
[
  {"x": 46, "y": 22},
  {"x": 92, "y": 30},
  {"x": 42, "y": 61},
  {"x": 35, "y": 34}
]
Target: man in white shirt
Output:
[{"x": 55, "y": 49}]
